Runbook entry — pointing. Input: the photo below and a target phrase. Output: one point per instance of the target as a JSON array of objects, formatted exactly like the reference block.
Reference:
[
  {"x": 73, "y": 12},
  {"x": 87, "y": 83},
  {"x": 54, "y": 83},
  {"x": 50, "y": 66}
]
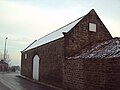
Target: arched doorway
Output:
[{"x": 36, "y": 67}]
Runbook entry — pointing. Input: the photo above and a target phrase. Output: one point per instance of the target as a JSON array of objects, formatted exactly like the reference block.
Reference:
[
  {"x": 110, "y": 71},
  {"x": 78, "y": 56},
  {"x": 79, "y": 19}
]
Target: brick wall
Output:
[
  {"x": 73, "y": 74},
  {"x": 80, "y": 36},
  {"x": 92, "y": 74},
  {"x": 51, "y": 62}
]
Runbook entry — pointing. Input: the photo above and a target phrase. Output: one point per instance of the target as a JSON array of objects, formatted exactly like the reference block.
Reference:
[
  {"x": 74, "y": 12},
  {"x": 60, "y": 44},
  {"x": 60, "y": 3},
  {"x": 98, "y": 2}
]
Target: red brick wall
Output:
[
  {"x": 51, "y": 62},
  {"x": 73, "y": 74},
  {"x": 92, "y": 74},
  {"x": 26, "y": 64},
  {"x": 80, "y": 36}
]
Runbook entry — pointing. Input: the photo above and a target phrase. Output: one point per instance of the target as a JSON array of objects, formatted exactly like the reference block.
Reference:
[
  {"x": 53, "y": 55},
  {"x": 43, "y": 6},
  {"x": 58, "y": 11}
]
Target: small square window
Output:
[
  {"x": 92, "y": 27},
  {"x": 25, "y": 56}
]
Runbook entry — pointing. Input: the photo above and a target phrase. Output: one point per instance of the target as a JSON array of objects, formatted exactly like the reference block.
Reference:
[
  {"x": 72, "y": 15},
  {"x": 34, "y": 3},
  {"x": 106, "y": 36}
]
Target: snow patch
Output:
[{"x": 106, "y": 49}]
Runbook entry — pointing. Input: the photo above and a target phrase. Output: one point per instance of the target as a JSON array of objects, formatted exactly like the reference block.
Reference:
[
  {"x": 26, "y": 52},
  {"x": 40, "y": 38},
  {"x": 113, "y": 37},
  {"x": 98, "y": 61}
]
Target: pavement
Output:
[
  {"x": 12, "y": 81},
  {"x": 3, "y": 87}
]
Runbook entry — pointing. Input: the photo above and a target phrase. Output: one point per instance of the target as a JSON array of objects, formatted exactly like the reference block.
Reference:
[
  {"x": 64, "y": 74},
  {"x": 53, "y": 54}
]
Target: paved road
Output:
[
  {"x": 3, "y": 87},
  {"x": 10, "y": 81}
]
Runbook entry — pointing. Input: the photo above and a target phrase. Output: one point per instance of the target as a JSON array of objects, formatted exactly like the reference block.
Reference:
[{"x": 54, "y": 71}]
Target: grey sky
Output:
[{"x": 23, "y": 21}]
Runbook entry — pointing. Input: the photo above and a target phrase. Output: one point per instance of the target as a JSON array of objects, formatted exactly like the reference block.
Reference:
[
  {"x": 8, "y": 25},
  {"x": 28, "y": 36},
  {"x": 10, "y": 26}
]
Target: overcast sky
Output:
[{"x": 24, "y": 21}]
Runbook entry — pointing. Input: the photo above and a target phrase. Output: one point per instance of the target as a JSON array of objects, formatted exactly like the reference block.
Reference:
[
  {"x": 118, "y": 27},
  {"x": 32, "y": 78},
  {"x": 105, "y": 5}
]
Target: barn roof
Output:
[
  {"x": 105, "y": 49},
  {"x": 53, "y": 35}
]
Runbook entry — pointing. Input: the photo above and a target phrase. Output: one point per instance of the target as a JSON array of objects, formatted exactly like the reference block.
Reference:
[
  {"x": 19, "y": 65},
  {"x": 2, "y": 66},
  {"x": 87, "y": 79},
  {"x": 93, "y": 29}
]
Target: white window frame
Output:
[
  {"x": 92, "y": 27},
  {"x": 25, "y": 56}
]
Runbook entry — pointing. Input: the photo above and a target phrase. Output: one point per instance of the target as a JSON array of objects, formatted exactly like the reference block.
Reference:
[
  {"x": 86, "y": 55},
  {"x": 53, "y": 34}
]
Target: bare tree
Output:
[{"x": 7, "y": 57}]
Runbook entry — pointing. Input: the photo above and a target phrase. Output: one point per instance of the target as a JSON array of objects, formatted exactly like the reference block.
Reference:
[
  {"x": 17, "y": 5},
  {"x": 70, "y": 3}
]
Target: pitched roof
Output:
[
  {"x": 53, "y": 36},
  {"x": 106, "y": 49},
  {"x": 2, "y": 62}
]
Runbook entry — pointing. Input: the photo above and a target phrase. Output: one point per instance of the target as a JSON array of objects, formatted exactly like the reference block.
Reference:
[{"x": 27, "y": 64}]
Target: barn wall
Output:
[
  {"x": 51, "y": 62},
  {"x": 26, "y": 64},
  {"x": 80, "y": 36},
  {"x": 92, "y": 74}
]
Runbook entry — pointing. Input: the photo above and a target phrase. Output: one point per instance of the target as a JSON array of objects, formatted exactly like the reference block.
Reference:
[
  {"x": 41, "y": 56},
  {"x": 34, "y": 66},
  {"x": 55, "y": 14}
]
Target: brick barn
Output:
[{"x": 77, "y": 56}]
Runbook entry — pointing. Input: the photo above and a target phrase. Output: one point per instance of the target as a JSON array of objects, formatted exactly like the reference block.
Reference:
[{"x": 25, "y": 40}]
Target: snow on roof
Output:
[
  {"x": 53, "y": 36},
  {"x": 106, "y": 49}
]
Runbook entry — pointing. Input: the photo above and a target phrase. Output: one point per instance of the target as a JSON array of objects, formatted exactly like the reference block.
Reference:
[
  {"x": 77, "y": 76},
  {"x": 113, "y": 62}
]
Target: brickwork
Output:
[
  {"x": 77, "y": 74},
  {"x": 73, "y": 74},
  {"x": 80, "y": 36},
  {"x": 51, "y": 61},
  {"x": 97, "y": 74}
]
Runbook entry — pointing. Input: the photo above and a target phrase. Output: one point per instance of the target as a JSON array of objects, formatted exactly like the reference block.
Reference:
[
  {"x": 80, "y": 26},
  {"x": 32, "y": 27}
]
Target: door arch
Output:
[{"x": 36, "y": 60}]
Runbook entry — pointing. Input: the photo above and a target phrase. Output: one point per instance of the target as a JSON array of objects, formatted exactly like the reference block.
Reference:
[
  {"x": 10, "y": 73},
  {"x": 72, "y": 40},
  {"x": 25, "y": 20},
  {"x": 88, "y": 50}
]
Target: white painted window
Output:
[
  {"x": 92, "y": 27},
  {"x": 25, "y": 56}
]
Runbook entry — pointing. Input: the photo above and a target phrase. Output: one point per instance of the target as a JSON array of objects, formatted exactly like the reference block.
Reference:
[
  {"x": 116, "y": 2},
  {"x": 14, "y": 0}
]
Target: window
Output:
[
  {"x": 92, "y": 27},
  {"x": 25, "y": 56}
]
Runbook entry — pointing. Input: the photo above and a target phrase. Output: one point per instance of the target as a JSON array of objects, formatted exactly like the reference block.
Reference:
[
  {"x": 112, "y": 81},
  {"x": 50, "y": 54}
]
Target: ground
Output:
[{"x": 12, "y": 81}]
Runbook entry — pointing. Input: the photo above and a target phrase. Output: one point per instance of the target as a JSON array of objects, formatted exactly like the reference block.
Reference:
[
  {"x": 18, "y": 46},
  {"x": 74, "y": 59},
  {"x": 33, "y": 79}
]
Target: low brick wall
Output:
[
  {"x": 92, "y": 74},
  {"x": 73, "y": 74}
]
